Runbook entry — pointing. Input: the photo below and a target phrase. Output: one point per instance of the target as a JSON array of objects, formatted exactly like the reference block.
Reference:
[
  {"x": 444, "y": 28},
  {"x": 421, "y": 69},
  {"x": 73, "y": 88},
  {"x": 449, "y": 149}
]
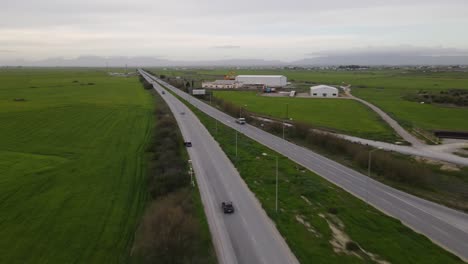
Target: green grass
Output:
[
  {"x": 384, "y": 88},
  {"x": 372, "y": 230},
  {"x": 345, "y": 116},
  {"x": 72, "y": 165}
]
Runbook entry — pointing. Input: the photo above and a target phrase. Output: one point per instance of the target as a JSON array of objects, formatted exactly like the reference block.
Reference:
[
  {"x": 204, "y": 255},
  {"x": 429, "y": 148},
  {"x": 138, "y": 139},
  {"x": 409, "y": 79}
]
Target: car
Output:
[
  {"x": 163, "y": 92},
  {"x": 188, "y": 144},
  {"x": 227, "y": 207},
  {"x": 182, "y": 113},
  {"x": 240, "y": 120}
]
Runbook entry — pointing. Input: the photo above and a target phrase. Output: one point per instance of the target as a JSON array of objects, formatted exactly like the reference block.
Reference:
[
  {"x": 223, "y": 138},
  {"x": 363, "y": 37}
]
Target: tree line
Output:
[{"x": 171, "y": 229}]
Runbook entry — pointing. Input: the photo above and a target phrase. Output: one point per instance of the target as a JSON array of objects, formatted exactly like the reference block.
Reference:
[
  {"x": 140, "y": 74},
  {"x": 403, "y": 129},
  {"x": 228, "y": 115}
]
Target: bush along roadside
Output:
[
  {"x": 173, "y": 228},
  {"x": 436, "y": 182},
  {"x": 321, "y": 222}
]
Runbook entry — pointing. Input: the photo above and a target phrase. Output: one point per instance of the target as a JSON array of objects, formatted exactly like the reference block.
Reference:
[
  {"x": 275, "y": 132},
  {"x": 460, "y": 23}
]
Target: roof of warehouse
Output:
[
  {"x": 262, "y": 76},
  {"x": 322, "y": 86},
  {"x": 223, "y": 82}
]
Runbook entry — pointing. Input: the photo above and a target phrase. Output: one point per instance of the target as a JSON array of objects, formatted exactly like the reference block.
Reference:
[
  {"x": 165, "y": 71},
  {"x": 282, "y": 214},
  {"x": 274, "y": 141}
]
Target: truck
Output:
[{"x": 240, "y": 120}]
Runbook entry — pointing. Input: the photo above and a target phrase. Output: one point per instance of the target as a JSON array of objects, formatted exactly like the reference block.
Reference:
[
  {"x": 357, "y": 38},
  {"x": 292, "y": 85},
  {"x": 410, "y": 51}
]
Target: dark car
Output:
[
  {"x": 228, "y": 208},
  {"x": 188, "y": 144},
  {"x": 163, "y": 92}
]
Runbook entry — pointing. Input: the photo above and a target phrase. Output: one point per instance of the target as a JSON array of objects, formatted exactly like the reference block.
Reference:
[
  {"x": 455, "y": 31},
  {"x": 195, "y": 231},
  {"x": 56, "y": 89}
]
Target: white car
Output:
[{"x": 240, "y": 120}]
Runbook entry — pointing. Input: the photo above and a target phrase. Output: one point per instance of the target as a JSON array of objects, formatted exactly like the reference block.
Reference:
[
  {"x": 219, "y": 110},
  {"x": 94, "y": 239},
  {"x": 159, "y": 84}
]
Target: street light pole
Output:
[
  {"x": 276, "y": 187},
  {"x": 236, "y": 144},
  {"x": 283, "y": 130},
  {"x": 369, "y": 173},
  {"x": 191, "y": 172},
  {"x": 276, "y": 202}
]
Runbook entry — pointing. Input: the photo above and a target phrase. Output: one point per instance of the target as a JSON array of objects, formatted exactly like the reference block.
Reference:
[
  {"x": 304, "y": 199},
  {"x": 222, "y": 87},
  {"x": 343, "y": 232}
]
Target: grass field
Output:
[
  {"x": 345, "y": 116},
  {"x": 72, "y": 165},
  {"x": 384, "y": 88},
  {"x": 314, "y": 214}
]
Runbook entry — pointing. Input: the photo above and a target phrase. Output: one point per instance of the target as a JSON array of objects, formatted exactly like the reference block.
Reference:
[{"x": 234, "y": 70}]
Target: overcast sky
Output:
[{"x": 240, "y": 29}]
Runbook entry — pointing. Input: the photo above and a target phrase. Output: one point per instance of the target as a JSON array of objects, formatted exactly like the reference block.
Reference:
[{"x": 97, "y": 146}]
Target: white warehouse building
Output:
[
  {"x": 268, "y": 80},
  {"x": 323, "y": 91}
]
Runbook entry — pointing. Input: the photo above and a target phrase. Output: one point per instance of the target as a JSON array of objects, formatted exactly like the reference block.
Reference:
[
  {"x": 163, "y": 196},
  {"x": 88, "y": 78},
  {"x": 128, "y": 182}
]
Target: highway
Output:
[
  {"x": 248, "y": 235},
  {"x": 446, "y": 227}
]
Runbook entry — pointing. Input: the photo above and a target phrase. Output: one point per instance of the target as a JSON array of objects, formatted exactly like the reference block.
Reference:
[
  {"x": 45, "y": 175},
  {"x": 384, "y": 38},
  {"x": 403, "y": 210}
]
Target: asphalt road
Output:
[
  {"x": 446, "y": 227},
  {"x": 248, "y": 235}
]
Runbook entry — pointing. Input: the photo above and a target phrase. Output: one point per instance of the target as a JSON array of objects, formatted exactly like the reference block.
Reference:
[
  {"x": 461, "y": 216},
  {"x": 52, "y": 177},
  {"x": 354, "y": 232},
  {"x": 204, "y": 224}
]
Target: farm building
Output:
[
  {"x": 268, "y": 80},
  {"x": 221, "y": 84},
  {"x": 323, "y": 91}
]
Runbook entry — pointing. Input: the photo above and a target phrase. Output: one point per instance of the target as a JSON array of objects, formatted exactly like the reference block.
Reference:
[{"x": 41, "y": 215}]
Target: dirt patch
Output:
[
  {"x": 300, "y": 219},
  {"x": 445, "y": 166},
  {"x": 463, "y": 154},
  {"x": 449, "y": 167},
  {"x": 306, "y": 200},
  {"x": 341, "y": 241}
]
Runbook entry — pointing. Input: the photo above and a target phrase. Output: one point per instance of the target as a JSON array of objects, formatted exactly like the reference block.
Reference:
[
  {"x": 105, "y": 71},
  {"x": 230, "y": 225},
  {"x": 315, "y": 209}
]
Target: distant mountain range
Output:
[
  {"x": 373, "y": 59},
  {"x": 385, "y": 59}
]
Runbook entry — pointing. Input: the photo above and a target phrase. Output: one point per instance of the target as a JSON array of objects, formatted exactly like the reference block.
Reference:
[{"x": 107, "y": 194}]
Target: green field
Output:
[
  {"x": 72, "y": 165},
  {"x": 318, "y": 219},
  {"x": 345, "y": 116},
  {"x": 384, "y": 88}
]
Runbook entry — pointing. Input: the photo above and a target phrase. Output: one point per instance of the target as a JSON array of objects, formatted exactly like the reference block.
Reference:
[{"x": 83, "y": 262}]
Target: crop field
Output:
[
  {"x": 385, "y": 88},
  {"x": 346, "y": 116},
  {"x": 72, "y": 165}
]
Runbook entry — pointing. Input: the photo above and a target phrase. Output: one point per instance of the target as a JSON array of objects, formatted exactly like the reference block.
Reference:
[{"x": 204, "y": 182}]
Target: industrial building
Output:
[
  {"x": 222, "y": 84},
  {"x": 323, "y": 91},
  {"x": 268, "y": 80}
]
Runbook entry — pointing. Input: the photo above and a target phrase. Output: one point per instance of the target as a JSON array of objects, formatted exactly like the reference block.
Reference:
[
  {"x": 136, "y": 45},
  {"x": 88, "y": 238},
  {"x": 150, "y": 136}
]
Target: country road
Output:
[
  {"x": 446, "y": 227},
  {"x": 248, "y": 235},
  {"x": 390, "y": 121},
  {"x": 435, "y": 152},
  {"x": 417, "y": 147}
]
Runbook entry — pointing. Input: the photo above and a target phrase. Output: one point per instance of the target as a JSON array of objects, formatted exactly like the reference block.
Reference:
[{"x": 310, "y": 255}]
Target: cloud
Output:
[
  {"x": 227, "y": 47},
  {"x": 205, "y": 29}
]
